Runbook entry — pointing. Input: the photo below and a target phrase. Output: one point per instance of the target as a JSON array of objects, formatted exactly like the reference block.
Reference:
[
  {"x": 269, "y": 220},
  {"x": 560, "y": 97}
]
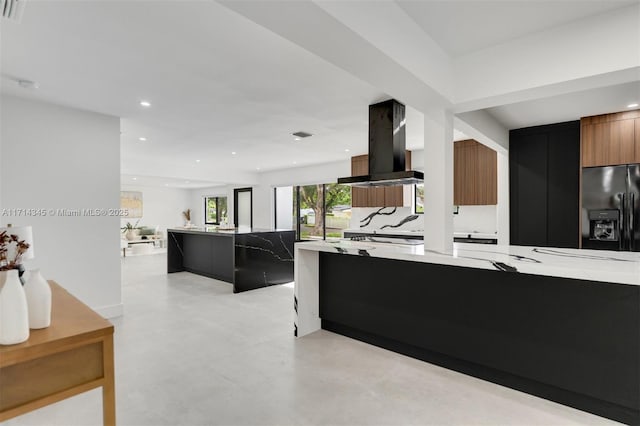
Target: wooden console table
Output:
[{"x": 73, "y": 355}]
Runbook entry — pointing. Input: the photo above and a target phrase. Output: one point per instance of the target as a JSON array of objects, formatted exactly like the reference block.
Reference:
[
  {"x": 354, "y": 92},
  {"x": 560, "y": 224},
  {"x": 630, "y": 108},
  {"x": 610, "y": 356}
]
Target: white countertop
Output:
[
  {"x": 596, "y": 265},
  {"x": 470, "y": 234},
  {"x": 386, "y": 231}
]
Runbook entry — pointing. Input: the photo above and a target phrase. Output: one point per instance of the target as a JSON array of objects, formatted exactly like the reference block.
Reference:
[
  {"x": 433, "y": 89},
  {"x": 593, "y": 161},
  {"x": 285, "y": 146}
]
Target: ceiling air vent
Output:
[
  {"x": 302, "y": 135},
  {"x": 12, "y": 9}
]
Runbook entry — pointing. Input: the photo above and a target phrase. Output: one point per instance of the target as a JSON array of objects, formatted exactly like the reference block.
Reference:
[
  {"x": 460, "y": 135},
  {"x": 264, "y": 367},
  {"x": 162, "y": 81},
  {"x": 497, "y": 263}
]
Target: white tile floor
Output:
[{"x": 190, "y": 352}]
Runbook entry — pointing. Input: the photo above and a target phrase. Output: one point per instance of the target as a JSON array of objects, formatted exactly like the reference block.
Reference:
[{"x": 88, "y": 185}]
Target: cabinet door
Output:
[
  {"x": 608, "y": 143},
  {"x": 528, "y": 190},
  {"x": 636, "y": 158},
  {"x": 465, "y": 173},
  {"x": 458, "y": 175},
  {"x": 588, "y": 143},
  {"x": 360, "y": 165},
  {"x": 563, "y": 187},
  {"x": 359, "y": 197},
  {"x": 393, "y": 196},
  {"x": 487, "y": 175},
  {"x": 475, "y": 174},
  {"x": 388, "y": 196}
]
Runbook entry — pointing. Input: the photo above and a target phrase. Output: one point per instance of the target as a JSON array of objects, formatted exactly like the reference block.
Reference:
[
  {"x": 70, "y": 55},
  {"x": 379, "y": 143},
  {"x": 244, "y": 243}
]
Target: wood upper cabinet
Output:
[
  {"x": 637, "y": 141},
  {"x": 382, "y": 196},
  {"x": 359, "y": 165},
  {"x": 475, "y": 174},
  {"x": 610, "y": 139}
]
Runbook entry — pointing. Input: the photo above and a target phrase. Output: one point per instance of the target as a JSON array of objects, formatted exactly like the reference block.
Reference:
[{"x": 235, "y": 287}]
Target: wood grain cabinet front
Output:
[
  {"x": 610, "y": 139},
  {"x": 636, "y": 157},
  {"x": 475, "y": 174},
  {"x": 383, "y": 196}
]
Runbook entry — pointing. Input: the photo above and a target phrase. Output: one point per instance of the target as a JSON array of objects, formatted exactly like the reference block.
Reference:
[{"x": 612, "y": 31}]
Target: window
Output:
[
  {"x": 315, "y": 211},
  {"x": 418, "y": 205},
  {"x": 337, "y": 209},
  {"x": 215, "y": 210}
]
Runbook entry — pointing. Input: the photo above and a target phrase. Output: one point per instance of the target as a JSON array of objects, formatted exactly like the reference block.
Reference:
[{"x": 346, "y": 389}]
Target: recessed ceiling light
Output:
[
  {"x": 233, "y": 153},
  {"x": 346, "y": 150},
  {"x": 145, "y": 103},
  {"x": 633, "y": 105},
  {"x": 142, "y": 139},
  {"x": 135, "y": 178},
  {"x": 197, "y": 161}
]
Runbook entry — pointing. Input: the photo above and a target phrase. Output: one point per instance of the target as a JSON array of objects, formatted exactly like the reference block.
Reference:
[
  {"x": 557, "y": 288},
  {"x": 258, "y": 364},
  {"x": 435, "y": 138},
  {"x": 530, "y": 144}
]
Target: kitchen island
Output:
[
  {"x": 561, "y": 324},
  {"x": 248, "y": 258}
]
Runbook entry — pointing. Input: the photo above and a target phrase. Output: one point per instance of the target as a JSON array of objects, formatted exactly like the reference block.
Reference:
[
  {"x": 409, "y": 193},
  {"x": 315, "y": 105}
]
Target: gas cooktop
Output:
[{"x": 386, "y": 240}]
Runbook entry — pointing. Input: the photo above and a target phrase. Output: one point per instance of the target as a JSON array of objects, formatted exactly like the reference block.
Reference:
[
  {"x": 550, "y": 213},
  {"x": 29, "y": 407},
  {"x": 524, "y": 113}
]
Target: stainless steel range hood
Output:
[{"x": 387, "y": 142}]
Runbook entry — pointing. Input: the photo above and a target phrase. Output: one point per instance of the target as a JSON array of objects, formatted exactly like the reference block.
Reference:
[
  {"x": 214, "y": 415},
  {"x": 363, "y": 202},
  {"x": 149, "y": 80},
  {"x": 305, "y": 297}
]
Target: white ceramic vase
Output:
[
  {"x": 38, "y": 295},
  {"x": 14, "y": 314}
]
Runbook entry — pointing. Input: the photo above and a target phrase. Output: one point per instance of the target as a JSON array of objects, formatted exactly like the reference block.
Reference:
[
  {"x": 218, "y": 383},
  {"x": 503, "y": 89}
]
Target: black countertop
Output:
[{"x": 209, "y": 230}]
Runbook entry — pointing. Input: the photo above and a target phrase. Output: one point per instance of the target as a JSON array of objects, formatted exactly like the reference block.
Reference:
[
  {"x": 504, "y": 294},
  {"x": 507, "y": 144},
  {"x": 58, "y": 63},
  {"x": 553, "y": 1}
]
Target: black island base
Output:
[
  {"x": 248, "y": 259},
  {"x": 572, "y": 341}
]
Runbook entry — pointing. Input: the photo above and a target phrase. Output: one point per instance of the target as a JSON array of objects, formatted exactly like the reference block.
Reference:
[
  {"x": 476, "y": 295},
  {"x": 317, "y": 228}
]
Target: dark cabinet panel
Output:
[
  {"x": 529, "y": 194},
  {"x": 544, "y": 172},
  {"x": 573, "y": 341},
  {"x": 563, "y": 197}
]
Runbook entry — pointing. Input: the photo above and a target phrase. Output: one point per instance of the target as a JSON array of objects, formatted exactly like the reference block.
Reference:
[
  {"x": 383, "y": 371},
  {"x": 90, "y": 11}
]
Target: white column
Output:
[
  {"x": 438, "y": 182},
  {"x": 306, "y": 274},
  {"x": 503, "y": 198}
]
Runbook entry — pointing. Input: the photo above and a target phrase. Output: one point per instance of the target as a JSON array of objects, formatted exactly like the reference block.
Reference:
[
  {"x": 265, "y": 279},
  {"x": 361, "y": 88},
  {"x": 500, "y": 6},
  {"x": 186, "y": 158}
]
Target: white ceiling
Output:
[
  {"x": 465, "y": 26},
  {"x": 567, "y": 107},
  {"x": 219, "y": 83}
]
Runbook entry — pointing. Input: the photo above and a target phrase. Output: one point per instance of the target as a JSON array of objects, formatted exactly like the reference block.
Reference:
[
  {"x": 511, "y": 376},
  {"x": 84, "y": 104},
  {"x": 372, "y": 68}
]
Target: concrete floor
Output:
[{"x": 190, "y": 352}]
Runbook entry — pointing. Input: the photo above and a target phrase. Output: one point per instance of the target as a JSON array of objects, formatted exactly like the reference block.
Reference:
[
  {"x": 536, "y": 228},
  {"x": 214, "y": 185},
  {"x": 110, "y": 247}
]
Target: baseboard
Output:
[{"x": 111, "y": 311}]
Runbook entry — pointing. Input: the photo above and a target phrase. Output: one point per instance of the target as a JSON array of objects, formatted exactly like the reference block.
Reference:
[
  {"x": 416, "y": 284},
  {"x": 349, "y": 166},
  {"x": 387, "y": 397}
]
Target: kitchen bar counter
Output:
[
  {"x": 561, "y": 324},
  {"x": 598, "y": 265},
  {"x": 245, "y": 257}
]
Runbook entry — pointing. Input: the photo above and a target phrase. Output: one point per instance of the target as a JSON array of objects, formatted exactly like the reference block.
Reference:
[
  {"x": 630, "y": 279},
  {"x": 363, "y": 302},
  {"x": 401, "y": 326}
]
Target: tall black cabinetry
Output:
[{"x": 544, "y": 185}]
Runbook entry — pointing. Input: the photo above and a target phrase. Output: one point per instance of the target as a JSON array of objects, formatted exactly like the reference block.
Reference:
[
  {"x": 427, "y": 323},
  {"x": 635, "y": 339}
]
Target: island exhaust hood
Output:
[{"x": 386, "y": 149}]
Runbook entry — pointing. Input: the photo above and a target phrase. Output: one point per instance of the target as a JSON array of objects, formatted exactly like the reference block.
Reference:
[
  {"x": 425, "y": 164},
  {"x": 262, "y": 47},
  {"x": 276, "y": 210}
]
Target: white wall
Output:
[
  {"x": 161, "y": 207},
  {"x": 263, "y": 199},
  {"x": 476, "y": 219},
  {"x": 284, "y": 203},
  {"x": 196, "y": 201},
  {"x": 55, "y": 157}
]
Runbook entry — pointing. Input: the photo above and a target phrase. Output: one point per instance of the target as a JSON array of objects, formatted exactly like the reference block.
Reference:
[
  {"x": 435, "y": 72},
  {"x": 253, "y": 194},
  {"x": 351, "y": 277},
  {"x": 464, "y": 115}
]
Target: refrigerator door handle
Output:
[
  {"x": 632, "y": 206},
  {"x": 623, "y": 222}
]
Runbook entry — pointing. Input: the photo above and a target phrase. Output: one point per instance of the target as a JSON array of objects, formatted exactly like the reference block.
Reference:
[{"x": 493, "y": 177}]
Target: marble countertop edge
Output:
[{"x": 595, "y": 265}]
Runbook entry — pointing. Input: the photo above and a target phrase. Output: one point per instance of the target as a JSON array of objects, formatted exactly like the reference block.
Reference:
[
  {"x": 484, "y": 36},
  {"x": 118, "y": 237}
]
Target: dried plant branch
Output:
[{"x": 21, "y": 247}]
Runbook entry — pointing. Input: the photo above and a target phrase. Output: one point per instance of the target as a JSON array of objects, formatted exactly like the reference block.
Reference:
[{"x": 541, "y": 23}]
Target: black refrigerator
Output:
[{"x": 610, "y": 207}]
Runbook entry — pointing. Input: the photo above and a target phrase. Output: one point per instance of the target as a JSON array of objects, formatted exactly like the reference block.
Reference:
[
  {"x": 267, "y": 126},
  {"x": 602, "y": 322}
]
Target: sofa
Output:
[{"x": 136, "y": 239}]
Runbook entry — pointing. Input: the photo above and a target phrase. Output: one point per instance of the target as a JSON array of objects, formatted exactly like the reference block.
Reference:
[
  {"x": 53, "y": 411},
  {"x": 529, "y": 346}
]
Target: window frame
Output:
[
  {"x": 415, "y": 200},
  {"x": 206, "y": 203}
]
